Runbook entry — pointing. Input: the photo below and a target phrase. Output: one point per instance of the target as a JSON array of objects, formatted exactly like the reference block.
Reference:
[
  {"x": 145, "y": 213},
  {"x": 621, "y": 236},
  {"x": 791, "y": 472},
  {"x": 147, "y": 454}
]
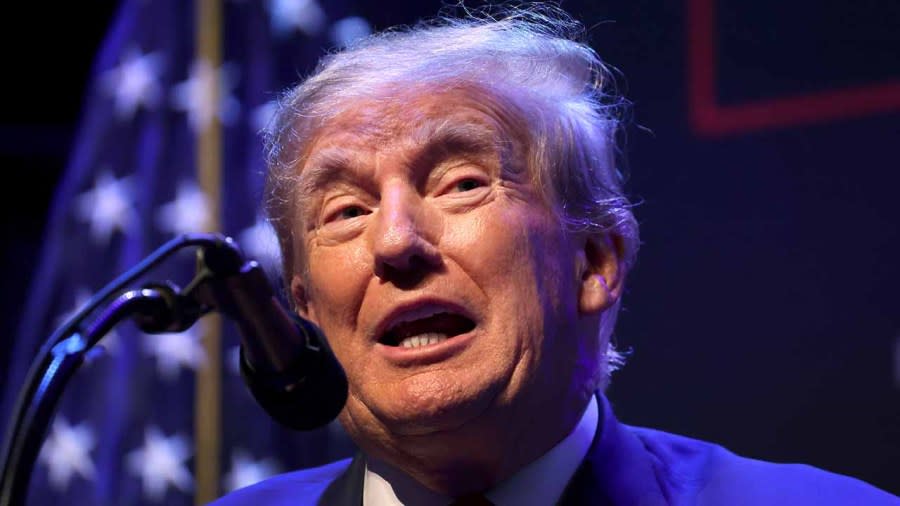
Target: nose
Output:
[{"x": 402, "y": 242}]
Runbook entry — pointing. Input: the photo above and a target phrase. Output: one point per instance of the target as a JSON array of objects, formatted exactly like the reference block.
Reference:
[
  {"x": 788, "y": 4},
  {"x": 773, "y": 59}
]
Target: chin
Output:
[{"x": 430, "y": 403}]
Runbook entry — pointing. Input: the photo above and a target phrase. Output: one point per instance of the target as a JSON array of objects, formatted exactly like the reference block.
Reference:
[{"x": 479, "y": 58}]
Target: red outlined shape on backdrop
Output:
[{"x": 709, "y": 118}]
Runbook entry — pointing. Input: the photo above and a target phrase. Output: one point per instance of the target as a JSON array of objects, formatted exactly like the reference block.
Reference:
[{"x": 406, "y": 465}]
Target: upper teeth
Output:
[{"x": 422, "y": 340}]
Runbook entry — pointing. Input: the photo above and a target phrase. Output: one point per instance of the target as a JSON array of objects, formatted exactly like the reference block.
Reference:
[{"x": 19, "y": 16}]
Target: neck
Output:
[{"x": 474, "y": 457}]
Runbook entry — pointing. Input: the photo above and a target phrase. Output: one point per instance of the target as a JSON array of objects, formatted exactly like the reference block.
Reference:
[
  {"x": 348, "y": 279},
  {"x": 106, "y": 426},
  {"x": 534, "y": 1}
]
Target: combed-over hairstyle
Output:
[{"x": 530, "y": 59}]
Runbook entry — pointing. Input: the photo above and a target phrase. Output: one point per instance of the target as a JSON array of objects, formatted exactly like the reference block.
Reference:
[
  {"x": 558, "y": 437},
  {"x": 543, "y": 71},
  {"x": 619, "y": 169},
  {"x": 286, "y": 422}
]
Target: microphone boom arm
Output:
[
  {"x": 64, "y": 359},
  {"x": 285, "y": 361}
]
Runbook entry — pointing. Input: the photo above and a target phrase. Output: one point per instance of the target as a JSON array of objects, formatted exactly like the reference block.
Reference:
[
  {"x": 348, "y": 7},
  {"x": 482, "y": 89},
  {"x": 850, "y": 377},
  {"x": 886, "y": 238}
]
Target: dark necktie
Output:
[{"x": 472, "y": 500}]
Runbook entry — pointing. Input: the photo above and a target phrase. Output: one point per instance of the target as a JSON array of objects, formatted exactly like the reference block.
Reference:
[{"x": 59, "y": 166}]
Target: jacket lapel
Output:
[
  {"x": 346, "y": 489},
  {"x": 617, "y": 471}
]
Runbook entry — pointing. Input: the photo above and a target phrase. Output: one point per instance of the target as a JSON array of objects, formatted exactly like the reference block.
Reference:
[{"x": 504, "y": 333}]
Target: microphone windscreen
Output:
[{"x": 313, "y": 401}]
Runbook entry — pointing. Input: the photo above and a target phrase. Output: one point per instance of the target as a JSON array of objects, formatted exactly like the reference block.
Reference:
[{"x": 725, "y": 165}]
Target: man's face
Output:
[{"x": 444, "y": 283}]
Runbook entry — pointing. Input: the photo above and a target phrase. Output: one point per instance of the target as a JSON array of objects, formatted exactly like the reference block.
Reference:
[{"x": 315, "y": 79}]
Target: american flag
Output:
[{"x": 124, "y": 432}]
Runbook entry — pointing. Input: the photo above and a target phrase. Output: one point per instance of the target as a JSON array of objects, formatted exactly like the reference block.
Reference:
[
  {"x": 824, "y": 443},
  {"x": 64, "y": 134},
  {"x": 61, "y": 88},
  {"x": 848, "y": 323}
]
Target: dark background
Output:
[{"x": 763, "y": 313}]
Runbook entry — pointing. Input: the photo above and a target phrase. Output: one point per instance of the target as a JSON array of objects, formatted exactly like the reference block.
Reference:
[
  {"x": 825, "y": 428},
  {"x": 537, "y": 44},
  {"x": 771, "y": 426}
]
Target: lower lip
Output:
[{"x": 405, "y": 357}]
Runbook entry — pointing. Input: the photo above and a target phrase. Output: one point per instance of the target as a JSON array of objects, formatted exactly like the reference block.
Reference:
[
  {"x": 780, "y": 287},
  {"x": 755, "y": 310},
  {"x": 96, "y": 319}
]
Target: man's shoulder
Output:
[
  {"x": 712, "y": 474},
  {"x": 296, "y": 488}
]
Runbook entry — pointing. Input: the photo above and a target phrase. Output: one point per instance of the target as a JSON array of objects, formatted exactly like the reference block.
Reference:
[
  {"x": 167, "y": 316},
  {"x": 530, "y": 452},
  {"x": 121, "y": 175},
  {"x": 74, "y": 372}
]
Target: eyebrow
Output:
[
  {"x": 444, "y": 138},
  {"x": 326, "y": 167}
]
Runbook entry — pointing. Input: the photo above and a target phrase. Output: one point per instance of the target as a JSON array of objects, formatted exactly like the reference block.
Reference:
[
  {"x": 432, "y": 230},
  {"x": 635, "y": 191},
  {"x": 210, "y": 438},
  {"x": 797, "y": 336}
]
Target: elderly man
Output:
[{"x": 451, "y": 215}]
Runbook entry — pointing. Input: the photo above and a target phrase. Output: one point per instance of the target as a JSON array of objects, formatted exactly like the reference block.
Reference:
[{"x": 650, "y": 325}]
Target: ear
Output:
[
  {"x": 300, "y": 297},
  {"x": 601, "y": 273}
]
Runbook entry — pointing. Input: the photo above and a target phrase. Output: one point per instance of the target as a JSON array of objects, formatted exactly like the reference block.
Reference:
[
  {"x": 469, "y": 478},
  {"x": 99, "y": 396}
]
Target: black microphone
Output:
[{"x": 285, "y": 360}]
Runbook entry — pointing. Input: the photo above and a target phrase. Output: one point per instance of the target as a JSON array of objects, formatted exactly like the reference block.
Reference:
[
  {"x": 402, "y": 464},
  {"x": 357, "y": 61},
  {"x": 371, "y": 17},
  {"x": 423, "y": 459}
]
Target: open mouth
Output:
[{"x": 427, "y": 331}]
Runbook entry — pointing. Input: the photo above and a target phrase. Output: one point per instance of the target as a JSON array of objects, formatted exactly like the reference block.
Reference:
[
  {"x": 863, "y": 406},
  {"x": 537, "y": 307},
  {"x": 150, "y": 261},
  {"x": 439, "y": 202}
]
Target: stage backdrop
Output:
[{"x": 762, "y": 313}]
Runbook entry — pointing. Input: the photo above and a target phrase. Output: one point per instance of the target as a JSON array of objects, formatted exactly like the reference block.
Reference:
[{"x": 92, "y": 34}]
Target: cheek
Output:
[
  {"x": 533, "y": 256},
  {"x": 491, "y": 243},
  {"x": 514, "y": 255},
  {"x": 516, "y": 246},
  {"x": 338, "y": 277}
]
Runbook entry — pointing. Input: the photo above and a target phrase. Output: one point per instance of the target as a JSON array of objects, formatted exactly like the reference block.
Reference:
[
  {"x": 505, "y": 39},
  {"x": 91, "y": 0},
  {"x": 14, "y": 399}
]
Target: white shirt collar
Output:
[{"x": 541, "y": 482}]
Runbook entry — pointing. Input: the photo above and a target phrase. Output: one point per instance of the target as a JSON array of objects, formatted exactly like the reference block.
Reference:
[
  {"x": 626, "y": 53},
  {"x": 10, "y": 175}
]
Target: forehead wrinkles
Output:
[
  {"x": 399, "y": 123},
  {"x": 465, "y": 121},
  {"x": 354, "y": 142}
]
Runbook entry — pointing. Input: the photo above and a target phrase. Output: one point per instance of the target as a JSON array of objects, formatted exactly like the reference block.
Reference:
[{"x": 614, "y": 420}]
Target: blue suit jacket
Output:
[{"x": 625, "y": 466}]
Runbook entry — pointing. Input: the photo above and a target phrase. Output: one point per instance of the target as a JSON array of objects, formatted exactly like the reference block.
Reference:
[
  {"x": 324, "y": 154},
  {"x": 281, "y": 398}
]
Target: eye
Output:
[
  {"x": 344, "y": 213},
  {"x": 350, "y": 212},
  {"x": 467, "y": 184}
]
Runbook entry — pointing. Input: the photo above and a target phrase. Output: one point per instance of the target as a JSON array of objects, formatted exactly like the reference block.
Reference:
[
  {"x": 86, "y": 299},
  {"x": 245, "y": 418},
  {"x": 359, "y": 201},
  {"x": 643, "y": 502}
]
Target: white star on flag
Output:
[
  {"x": 261, "y": 117},
  {"x": 66, "y": 452},
  {"x": 134, "y": 82},
  {"x": 107, "y": 207},
  {"x": 111, "y": 342},
  {"x": 175, "y": 350},
  {"x": 348, "y": 30},
  {"x": 160, "y": 463},
  {"x": 82, "y": 296},
  {"x": 197, "y": 95},
  {"x": 245, "y": 471},
  {"x": 304, "y": 15},
  {"x": 260, "y": 243},
  {"x": 188, "y": 213}
]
